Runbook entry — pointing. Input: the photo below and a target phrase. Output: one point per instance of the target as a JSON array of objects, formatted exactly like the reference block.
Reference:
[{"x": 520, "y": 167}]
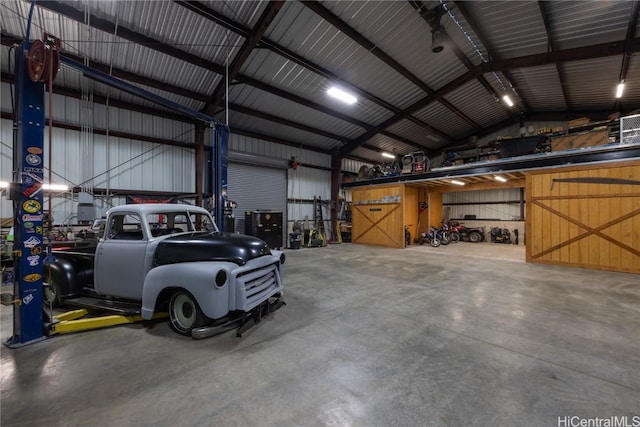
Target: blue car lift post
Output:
[
  {"x": 28, "y": 325},
  {"x": 27, "y": 197}
]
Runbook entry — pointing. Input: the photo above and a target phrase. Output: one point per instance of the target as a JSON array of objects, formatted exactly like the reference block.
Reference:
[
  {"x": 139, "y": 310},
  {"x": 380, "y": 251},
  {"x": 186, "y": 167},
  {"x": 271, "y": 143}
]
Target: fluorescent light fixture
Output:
[
  {"x": 342, "y": 95},
  {"x": 4, "y": 184},
  {"x": 507, "y": 100},
  {"x": 499, "y": 178},
  {"x": 620, "y": 90},
  {"x": 389, "y": 155},
  {"x": 456, "y": 182},
  {"x": 55, "y": 187}
]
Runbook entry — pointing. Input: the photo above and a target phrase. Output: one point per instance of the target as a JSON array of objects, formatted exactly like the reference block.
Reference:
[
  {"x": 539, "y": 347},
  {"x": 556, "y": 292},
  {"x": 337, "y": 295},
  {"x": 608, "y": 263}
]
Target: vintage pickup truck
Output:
[{"x": 169, "y": 257}]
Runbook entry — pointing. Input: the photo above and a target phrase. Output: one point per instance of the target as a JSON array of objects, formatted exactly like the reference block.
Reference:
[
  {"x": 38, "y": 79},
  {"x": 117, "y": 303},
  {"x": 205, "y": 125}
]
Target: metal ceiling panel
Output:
[
  {"x": 242, "y": 11},
  {"x": 278, "y": 71},
  {"x": 414, "y": 132},
  {"x": 387, "y": 144},
  {"x": 582, "y": 23},
  {"x": 398, "y": 30},
  {"x": 512, "y": 29},
  {"x": 364, "y": 153},
  {"x": 260, "y": 126},
  {"x": 477, "y": 104},
  {"x": 592, "y": 83},
  {"x": 265, "y": 102},
  {"x": 442, "y": 118},
  {"x": 632, "y": 85},
  {"x": 301, "y": 30},
  {"x": 541, "y": 87}
]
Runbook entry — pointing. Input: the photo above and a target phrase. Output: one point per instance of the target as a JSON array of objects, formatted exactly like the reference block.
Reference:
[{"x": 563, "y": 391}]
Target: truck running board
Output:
[
  {"x": 243, "y": 323},
  {"x": 125, "y": 308}
]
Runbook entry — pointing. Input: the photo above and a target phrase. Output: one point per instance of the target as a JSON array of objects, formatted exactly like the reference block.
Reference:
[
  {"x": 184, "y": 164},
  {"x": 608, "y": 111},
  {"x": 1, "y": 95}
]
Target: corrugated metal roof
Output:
[
  {"x": 441, "y": 117},
  {"x": 322, "y": 44},
  {"x": 477, "y": 104},
  {"x": 541, "y": 87},
  {"x": 272, "y": 104},
  {"x": 593, "y": 83},
  {"x": 512, "y": 31},
  {"x": 512, "y": 28},
  {"x": 584, "y": 23},
  {"x": 282, "y": 73}
]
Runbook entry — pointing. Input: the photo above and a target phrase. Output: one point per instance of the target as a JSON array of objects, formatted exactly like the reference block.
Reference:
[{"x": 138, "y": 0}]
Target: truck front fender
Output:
[{"x": 199, "y": 278}]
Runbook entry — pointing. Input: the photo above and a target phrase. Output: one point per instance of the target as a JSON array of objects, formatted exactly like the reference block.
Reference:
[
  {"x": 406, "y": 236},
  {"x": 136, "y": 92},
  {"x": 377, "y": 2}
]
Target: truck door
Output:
[{"x": 120, "y": 257}]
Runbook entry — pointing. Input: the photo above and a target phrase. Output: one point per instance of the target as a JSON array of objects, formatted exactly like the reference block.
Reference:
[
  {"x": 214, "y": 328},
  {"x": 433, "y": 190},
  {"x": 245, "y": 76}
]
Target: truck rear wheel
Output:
[
  {"x": 184, "y": 313},
  {"x": 51, "y": 295}
]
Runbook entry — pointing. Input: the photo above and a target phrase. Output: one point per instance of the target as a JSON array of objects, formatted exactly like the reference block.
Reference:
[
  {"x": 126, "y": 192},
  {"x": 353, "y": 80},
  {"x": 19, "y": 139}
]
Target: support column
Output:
[{"x": 336, "y": 164}]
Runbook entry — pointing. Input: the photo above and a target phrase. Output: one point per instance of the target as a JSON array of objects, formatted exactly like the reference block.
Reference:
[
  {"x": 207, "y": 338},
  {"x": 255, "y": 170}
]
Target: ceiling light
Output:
[
  {"x": 342, "y": 95},
  {"x": 456, "y": 182},
  {"x": 619, "y": 90},
  {"x": 507, "y": 100},
  {"x": 437, "y": 38},
  {"x": 499, "y": 178},
  {"x": 389, "y": 155},
  {"x": 55, "y": 187}
]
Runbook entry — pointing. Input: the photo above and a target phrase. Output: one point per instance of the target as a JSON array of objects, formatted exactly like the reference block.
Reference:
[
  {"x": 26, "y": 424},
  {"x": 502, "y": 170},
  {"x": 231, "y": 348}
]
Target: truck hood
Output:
[{"x": 199, "y": 246}]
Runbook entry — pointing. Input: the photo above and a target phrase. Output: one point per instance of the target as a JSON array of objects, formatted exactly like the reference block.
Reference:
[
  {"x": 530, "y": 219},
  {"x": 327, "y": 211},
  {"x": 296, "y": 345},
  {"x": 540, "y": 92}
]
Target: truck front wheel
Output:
[{"x": 184, "y": 313}]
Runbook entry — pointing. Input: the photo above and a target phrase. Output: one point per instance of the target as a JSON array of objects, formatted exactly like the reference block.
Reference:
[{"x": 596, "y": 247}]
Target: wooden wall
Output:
[
  {"x": 585, "y": 217},
  {"x": 377, "y": 221}
]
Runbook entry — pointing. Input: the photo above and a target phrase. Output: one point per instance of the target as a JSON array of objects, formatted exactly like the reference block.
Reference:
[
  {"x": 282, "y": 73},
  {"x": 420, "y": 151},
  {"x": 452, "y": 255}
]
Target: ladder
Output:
[
  {"x": 318, "y": 222},
  {"x": 318, "y": 232}
]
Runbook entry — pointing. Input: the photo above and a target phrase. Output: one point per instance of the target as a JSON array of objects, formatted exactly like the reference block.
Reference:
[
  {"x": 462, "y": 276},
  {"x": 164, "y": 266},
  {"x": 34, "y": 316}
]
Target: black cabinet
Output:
[{"x": 265, "y": 225}]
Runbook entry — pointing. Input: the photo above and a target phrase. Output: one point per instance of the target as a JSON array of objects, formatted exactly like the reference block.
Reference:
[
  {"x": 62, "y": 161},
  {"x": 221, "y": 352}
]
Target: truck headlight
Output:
[{"x": 221, "y": 278}]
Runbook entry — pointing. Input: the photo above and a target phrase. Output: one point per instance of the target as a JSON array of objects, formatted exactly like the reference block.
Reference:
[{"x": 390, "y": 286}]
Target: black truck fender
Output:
[{"x": 69, "y": 273}]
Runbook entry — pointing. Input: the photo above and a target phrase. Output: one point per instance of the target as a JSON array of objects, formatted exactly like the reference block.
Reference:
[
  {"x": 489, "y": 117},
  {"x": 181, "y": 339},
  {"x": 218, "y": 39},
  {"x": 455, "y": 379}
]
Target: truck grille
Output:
[{"x": 255, "y": 286}]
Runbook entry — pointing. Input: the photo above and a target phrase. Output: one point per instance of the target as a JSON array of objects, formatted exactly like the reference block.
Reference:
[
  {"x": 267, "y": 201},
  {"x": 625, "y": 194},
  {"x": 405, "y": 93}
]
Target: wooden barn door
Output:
[
  {"x": 585, "y": 217},
  {"x": 377, "y": 216}
]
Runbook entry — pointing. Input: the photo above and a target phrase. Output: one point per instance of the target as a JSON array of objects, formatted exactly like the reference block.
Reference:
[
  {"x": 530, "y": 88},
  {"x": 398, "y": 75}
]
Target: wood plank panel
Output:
[
  {"x": 585, "y": 216},
  {"x": 375, "y": 220}
]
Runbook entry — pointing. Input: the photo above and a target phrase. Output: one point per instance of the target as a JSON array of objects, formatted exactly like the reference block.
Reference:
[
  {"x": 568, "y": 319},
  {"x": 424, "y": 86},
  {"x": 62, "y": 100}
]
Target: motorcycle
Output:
[
  {"x": 474, "y": 235},
  {"x": 430, "y": 238}
]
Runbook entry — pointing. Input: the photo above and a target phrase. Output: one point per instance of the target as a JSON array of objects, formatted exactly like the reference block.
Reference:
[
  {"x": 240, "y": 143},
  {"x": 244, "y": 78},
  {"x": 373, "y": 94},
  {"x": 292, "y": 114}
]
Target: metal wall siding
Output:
[
  {"x": 502, "y": 211},
  {"x": 353, "y": 166},
  {"x": 541, "y": 87},
  {"x": 244, "y": 144},
  {"x": 307, "y": 183},
  {"x": 276, "y": 130},
  {"x": 582, "y": 23},
  {"x": 475, "y": 102}
]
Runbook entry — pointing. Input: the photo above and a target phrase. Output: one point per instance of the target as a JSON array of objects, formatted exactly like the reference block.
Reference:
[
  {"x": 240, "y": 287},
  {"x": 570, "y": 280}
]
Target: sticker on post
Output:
[
  {"x": 27, "y": 299},
  {"x": 31, "y": 242},
  {"x": 31, "y": 206}
]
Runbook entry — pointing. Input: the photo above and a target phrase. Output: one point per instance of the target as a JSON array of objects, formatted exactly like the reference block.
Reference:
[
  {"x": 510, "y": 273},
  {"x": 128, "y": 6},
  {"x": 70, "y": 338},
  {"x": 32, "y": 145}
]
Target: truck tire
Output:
[
  {"x": 184, "y": 313},
  {"x": 51, "y": 295}
]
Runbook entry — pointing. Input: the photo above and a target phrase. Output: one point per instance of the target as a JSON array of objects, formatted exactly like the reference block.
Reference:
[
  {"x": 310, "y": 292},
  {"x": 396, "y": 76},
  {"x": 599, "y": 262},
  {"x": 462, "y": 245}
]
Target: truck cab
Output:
[{"x": 172, "y": 257}]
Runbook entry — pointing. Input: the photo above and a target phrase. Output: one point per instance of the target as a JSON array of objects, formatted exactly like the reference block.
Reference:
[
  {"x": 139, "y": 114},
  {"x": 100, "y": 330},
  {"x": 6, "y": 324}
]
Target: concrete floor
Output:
[{"x": 465, "y": 335}]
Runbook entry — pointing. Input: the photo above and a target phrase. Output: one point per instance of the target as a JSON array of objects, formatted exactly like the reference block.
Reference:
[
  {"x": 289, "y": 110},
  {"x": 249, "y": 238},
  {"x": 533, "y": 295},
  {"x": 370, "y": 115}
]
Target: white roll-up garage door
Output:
[{"x": 257, "y": 188}]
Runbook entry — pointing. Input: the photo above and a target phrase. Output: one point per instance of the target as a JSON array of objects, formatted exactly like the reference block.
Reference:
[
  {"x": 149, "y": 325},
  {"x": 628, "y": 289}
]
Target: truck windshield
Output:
[{"x": 163, "y": 223}]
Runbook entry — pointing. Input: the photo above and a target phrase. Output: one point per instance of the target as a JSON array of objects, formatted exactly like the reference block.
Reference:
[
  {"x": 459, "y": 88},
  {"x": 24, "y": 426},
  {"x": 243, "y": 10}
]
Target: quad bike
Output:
[{"x": 474, "y": 235}]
